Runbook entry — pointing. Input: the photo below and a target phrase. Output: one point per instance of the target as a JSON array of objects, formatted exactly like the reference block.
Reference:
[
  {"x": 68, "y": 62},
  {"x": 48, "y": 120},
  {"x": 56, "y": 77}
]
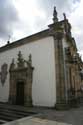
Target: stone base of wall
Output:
[
  {"x": 73, "y": 103},
  {"x": 62, "y": 106}
]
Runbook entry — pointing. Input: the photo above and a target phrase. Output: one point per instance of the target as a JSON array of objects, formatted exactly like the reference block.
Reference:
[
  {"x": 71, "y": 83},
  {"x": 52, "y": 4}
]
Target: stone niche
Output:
[{"x": 21, "y": 75}]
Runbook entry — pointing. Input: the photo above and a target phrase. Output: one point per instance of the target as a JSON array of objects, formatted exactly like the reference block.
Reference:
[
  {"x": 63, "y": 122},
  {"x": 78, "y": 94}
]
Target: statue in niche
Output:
[{"x": 3, "y": 73}]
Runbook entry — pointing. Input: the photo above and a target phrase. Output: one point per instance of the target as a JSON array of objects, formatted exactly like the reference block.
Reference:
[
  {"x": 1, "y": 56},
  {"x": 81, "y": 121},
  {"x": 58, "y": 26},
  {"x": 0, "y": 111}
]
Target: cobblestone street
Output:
[
  {"x": 73, "y": 116},
  {"x": 43, "y": 115}
]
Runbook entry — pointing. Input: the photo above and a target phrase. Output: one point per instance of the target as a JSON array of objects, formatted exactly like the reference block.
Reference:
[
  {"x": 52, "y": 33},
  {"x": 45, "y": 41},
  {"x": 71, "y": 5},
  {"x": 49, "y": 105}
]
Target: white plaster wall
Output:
[{"x": 44, "y": 82}]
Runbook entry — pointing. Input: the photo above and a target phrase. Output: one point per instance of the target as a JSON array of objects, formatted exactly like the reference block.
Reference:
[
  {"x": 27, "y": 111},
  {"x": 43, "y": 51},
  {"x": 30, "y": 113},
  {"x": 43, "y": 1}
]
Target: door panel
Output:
[{"x": 20, "y": 93}]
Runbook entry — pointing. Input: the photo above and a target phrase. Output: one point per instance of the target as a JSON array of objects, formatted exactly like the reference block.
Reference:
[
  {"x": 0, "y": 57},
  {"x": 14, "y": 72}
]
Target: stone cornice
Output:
[
  {"x": 25, "y": 40},
  {"x": 56, "y": 29}
]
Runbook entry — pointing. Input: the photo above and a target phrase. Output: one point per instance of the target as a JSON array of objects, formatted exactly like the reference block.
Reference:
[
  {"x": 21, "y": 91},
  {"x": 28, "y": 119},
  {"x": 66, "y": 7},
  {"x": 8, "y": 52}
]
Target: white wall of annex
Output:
[{"x": 44, "y": 81}]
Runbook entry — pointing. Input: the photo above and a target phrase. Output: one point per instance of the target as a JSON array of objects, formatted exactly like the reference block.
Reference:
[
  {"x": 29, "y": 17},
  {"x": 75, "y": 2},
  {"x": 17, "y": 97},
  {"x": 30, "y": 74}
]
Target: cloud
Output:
[
  {"x": 8, "y": 18},
  {"x": 62, "y": 5},
  {"x": 76, "y": 18},
  {"x": 73, "y": 10},
  {"x": 46, "y": 7},
  {"x": 36, "y": 15},
  {"x": 32, "y": 18}
]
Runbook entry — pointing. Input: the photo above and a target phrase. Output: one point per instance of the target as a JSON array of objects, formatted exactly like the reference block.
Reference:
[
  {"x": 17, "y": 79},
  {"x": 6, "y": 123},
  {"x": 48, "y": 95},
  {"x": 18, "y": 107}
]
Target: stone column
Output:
[
  {"x": 60, "y": 73},
  {"x": 28, "y": 88}
]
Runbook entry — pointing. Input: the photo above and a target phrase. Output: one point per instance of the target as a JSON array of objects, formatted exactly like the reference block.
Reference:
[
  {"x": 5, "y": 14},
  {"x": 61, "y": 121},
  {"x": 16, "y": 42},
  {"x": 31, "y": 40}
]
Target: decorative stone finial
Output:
[
  {"x": 12, "y": 66},
  {"x": 20, "y": 60},
  {"x": 30, "y": 58},
  {"x": 8, "y": 42},
  {"x": 55, "y": 19},
  {"x": 8, "y": 39},
  {"x": 64, "y": 16}
]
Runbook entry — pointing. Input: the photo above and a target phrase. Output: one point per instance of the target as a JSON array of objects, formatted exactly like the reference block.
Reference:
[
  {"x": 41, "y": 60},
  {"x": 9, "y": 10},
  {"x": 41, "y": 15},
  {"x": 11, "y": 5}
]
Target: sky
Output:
[{"x": 21, "y": 18}]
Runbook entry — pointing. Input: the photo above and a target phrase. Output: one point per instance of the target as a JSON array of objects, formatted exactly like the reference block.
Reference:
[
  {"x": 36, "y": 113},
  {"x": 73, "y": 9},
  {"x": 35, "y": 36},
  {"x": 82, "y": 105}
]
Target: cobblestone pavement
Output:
[
  {"x": 73, "y": 116},
  {"x": 34, "y": 121}
]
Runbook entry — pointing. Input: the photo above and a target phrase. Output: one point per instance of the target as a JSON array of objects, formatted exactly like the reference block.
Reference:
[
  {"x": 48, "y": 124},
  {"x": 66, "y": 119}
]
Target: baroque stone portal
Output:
[{"x": 21, "y": 81}]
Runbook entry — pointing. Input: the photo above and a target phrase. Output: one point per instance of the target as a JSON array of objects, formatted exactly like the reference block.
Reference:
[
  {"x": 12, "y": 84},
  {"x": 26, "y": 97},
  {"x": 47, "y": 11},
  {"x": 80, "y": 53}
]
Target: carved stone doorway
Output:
[
  {"x": 21, "y": 73},
  {"x": 20, "y": 93}
]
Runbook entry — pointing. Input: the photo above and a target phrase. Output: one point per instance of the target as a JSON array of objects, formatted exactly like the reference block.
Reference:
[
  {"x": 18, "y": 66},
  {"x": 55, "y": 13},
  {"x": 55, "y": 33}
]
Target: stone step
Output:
[
  {"x": 7, "y": 118},
  {"x": 14, "y": 112},
  {"x": 15, "y": 107},
  {"x": 2, "y": 122},
  {"x": 11, "y": 114}
]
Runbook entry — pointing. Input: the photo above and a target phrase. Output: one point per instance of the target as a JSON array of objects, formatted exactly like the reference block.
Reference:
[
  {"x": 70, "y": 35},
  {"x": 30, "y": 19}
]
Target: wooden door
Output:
[{"x": 20, "y": 93}]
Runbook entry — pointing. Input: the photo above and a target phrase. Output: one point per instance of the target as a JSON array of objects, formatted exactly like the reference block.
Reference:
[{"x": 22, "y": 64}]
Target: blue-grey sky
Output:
[{"x": 20, "y": 18}]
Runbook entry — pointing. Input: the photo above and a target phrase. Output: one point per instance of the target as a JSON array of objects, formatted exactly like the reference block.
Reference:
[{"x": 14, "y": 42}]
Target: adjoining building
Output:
[{"x": 42, "y": 69}]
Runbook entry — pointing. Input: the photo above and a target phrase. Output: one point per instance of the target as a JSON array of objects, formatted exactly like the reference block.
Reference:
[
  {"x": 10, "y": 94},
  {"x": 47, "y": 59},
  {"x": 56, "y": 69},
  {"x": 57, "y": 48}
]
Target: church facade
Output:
[{"x": 42, "y": 69}]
